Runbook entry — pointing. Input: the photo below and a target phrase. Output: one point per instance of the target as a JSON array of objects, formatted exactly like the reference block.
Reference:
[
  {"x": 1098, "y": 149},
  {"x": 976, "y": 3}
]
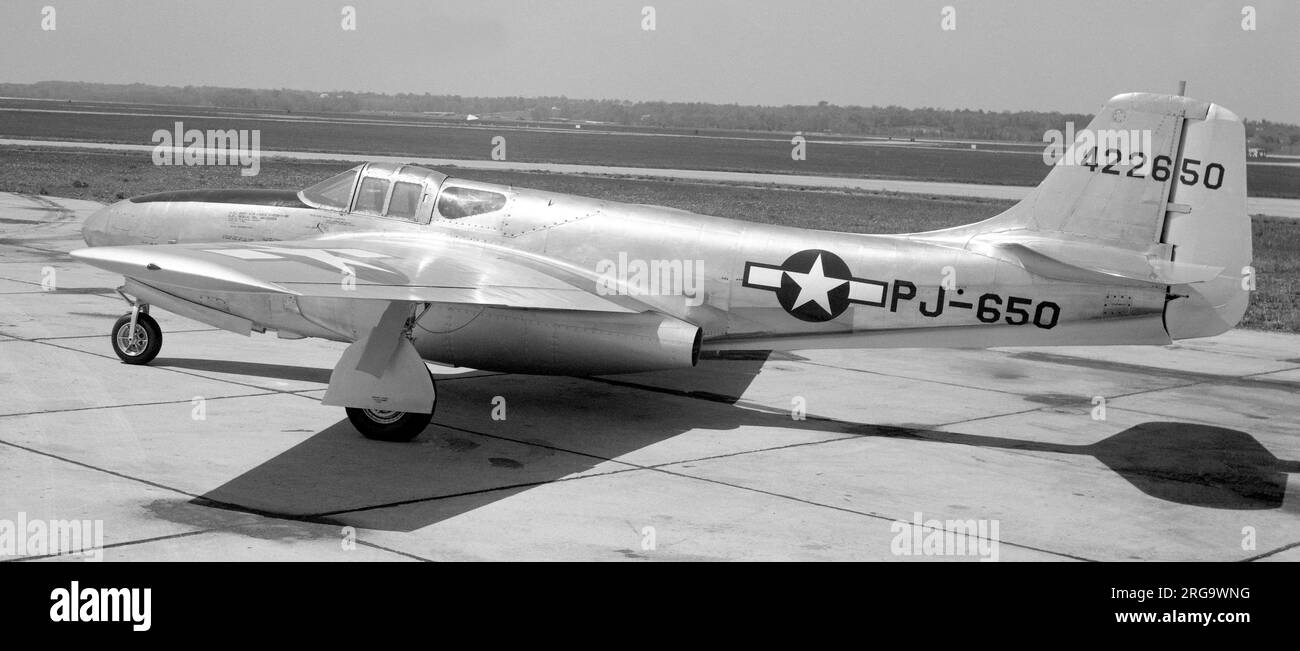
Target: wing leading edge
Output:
[{"x": 369, "y": 267}]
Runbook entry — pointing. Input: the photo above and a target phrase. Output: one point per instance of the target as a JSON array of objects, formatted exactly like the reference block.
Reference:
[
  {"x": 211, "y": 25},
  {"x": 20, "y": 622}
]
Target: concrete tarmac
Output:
[{"x": 220, "y": 450}]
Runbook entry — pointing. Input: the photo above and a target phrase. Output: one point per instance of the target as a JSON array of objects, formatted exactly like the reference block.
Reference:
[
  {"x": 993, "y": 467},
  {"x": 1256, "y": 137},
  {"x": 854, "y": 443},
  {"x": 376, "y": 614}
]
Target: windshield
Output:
[{"x": 334, "y": 193}]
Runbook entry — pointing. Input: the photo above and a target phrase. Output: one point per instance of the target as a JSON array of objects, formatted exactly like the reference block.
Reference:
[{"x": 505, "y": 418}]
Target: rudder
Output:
[{"x": 1207, "y": 224}]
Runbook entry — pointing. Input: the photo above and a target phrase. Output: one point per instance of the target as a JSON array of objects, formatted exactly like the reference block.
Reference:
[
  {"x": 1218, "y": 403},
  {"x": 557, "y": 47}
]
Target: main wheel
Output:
[
  {"x": 393, "y": 426},
  {"x": 138, "y": 346},
  {"x": 388, "y": 425}
]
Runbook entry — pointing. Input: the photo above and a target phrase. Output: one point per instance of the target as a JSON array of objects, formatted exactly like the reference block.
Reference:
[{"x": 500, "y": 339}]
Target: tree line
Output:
[{"x": 823, "y": 117}]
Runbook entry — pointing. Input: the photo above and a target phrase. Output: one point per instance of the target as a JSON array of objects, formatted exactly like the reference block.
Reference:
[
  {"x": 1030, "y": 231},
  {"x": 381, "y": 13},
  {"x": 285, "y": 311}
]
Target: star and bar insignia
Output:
[{"x": 814, "y": 285}]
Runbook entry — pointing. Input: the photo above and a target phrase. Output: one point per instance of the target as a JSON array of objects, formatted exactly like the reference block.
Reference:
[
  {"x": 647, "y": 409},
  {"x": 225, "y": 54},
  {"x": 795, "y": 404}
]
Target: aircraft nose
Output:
[{"x": 95, "y": 230}]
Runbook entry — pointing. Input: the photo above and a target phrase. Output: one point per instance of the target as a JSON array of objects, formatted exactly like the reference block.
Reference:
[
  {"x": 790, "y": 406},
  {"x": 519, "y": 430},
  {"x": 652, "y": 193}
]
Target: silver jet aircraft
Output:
[{"x": 1138, "y": 235}]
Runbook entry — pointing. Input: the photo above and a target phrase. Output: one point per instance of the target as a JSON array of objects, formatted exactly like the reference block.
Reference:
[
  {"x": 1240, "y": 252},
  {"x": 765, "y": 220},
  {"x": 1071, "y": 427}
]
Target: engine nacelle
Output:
[{"x": 554, "y": 342}]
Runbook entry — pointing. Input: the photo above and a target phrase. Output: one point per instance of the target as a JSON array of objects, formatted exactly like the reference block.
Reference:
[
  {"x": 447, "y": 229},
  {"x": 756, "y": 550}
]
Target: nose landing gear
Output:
[{"x": 136, "y": 337}]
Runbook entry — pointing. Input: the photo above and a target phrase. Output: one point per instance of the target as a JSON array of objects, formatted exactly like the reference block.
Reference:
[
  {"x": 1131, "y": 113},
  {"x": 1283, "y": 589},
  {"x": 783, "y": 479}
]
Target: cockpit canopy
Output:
[{"x": 404, "y": 192}]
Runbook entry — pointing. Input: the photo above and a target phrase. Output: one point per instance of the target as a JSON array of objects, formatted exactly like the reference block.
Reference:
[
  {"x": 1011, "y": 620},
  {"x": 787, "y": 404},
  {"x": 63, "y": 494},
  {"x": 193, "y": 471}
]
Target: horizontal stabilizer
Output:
[{"x": 1088, "y": 262}]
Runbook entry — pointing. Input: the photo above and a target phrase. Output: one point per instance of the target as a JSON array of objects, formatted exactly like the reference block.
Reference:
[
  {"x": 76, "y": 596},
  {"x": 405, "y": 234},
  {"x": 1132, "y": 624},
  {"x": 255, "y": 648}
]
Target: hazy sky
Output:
[{"x": 1004, "y": 54}]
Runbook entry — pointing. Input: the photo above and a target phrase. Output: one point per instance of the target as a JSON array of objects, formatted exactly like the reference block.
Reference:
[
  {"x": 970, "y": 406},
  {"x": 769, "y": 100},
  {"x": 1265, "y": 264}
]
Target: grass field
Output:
[
  {"x": 107, "y": 177},
  {"x": 737, "y": 151}
]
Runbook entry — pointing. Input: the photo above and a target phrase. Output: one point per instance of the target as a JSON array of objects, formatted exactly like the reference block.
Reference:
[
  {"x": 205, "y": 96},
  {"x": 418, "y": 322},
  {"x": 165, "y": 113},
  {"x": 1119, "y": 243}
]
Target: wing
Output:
[{"x": 382, "y": 266}]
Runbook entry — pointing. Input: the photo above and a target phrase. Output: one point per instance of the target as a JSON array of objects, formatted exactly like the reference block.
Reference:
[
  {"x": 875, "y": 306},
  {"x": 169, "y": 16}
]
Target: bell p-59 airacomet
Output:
[{"x": 1117, "y": 245}]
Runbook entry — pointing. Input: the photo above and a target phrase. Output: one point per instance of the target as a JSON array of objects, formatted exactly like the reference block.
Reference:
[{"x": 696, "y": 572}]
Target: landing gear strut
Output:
[
  {"x": 136, "y": 337},
  {"x": 385, "y": 386}
]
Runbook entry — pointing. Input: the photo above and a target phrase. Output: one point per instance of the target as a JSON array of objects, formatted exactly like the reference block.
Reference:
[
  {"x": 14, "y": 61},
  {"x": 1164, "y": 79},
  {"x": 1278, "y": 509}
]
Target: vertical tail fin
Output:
[{"x": 1160, "y": 179}]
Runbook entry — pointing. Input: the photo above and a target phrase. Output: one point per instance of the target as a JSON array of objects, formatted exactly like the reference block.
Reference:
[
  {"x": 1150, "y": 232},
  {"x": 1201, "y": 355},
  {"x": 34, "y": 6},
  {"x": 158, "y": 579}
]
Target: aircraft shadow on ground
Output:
[
  {"x": 273, "y": 371},
  {"x": 466, "y": 461}
]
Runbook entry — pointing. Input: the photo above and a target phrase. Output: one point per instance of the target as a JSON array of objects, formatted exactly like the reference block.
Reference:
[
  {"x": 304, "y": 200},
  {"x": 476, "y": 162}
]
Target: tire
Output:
[
  {"x": 141, "y": 347},
  {"x": 392, "y": 426}
]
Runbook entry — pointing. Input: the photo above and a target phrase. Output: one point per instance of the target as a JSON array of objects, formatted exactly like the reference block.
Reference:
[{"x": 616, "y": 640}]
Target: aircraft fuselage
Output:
[{"x": 747, "y": 285}]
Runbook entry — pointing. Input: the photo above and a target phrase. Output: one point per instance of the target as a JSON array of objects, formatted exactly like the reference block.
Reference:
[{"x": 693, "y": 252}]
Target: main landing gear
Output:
[
  {"x": 392, "y": 426},
  {"x": 136, "y": 337}
]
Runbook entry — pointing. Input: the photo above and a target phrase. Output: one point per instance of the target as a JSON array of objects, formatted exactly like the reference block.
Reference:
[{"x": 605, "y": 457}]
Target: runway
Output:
[
  {"x": 1287, "y": 208},
  {"x": 219, "y": 450}
]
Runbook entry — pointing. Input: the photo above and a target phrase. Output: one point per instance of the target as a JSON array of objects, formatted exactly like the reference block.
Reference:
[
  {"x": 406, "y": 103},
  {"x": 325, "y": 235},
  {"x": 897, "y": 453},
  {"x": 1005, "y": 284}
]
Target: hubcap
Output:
[
  {"x": 383, "y": 417},
  {"x": 132, "y": 342}
]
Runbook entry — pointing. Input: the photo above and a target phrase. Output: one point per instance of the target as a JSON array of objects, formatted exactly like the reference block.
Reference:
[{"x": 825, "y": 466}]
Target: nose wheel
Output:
[{"x": 136, "y": 338}]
